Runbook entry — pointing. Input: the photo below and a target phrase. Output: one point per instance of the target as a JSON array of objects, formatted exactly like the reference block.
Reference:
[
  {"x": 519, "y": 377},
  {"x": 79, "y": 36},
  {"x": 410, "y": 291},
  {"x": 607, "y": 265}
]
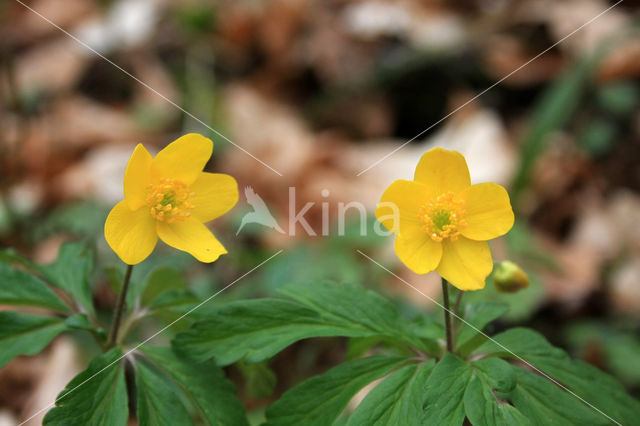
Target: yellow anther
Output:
[
  {"x": 168, "y": 200},
  {"x": 443, "y": 217}
]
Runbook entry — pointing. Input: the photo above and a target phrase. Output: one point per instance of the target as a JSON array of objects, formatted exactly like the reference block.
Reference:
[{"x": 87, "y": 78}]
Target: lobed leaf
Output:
[
  {"x": 486, "y": 398},
  {"x": 70, "y": 272},
  {"x": 320, "y": 400},
  {"x": 478, "y": 315},
  {"x": 398, "y": 399},
  {"x": 255, "y": 330},
  {"x": 204, "y": 384},
  {"x": 594, "y": 386},
  {"x": 96, "y": 396},
  {"x": 20, "y": 288},
  {"x": 24, "y": 334},
  {"x": 445, "y": 391},
  {"x": 158, "y": 404}
]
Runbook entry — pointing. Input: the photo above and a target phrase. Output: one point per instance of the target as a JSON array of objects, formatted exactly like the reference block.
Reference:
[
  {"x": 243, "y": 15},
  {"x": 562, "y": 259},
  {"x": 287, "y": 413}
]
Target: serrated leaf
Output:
[
  {"x": 497, "y": 373},
  {"x": 178, "y": 300},
  {"x": 445, "y": 391},
  {"x": 483, "y": 401},
  {"x": 320, "y": 400},
  {"x": 204, "y": 384},
  {"x": 398, "y": 399},
  {"x": 10, "y": 256},
  {"x": 255, "y": 330},
  {"x": 260, "y": 380},
  {"x": 23, "y": 334},
  {"x": 20, "y": 288},
  {"x": 354, "y": 304},
  {"x": 597, "y": 388},
  {"x": 161, "y": 280},
  {"x": 484, "y": 408},
  {"x": 81, "y": 322},
  {"x": 158, "y": 404},
  {"x": 594, "y": 386},
  {"x": 543, "y": 402},
  {"x": 70, "y": 272},
  {"x": 96, "y": 396},
  {"x": 479, "y": 315},
  {"x": 524, "y": 343}
]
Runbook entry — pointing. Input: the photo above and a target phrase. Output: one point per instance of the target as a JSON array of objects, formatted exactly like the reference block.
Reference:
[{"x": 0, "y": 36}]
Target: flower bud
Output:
[{"x": 508, "y": 277}]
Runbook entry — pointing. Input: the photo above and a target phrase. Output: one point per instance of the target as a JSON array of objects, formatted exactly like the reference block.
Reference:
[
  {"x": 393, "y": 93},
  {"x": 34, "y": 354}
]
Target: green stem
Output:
[
  {"x": 120, "y": 308},
  {"x": 447, "y": 315}
]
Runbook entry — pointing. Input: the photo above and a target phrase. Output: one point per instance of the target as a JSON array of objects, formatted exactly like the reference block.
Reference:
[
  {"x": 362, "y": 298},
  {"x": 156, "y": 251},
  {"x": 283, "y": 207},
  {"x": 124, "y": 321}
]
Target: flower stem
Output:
[
  {"x": 447, "y": 315},
  {"x": 120, "y": 308}
]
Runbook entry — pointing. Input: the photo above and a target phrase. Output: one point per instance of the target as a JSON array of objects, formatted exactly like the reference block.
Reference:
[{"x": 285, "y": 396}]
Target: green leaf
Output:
[
  {"x": 70, "y": 272},
  {"x": 445, "y": 391},
  {"x": 97, "y": 396},
  {"x": 543, "y": 402},
  {"x": 554, "y": 109},
  {"x": 497, "y": 373},
  {"x": 398, "y": 399},
  {"x": 204, "y": 384},
  {"x": 321, "y": 399},
  {"x": 595, "y": 387},
  {"x": 9, "y": 256},
  {"x": 355, "y": 305},
  {"x": 161, "y": 280},
  {"x": 81, "y": 322},
  {"x": 114, "y": 278},
  {"x": 260, "y": 380},
  {"x": 619, "y": 98},
  {"x": 23, "y": 334},
  {"x": 524, "y": 343},
  {"x": 484, "y": 402},
  {"x": 157, "y": 402},
  {"x": 20, "y": 288},
  {"x": 175, "y": 300},
  {"x": 479, "y": 315},
  {"x": 255, "y": 330}
]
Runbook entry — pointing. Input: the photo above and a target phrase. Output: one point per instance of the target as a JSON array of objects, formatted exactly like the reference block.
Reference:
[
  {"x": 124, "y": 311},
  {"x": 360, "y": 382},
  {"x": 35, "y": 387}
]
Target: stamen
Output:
[
  {"x": 169, "y": 200},
  {"x": 443, "y": 217}
]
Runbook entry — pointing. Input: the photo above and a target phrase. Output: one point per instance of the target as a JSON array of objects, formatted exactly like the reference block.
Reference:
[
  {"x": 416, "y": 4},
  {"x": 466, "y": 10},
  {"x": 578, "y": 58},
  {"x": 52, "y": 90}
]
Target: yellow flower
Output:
[
  {"x": 444, "y": 221},
  {"x": 170, "y": 197}
]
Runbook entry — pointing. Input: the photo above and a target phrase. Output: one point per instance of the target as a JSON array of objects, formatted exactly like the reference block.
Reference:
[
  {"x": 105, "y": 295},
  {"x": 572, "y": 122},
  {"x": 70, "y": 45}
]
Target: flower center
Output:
[
  {"x": 443, "y": 217},
  {"x": 169, "y": 200}
]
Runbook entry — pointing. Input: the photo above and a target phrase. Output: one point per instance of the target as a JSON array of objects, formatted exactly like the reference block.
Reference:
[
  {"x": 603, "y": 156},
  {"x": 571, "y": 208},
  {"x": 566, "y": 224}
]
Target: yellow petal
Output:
[
  {"x": 407, "y": 197},
  {"x": 489, "y": 213},
  {"x": 443, "y": 171},
  {"x": 183, "y": 159},
  {"x": 137, "y": 177},
  {"x": 419, "y": 252},
  {"x": 215, "y": 194},
  {"x": 130, "y": 233},
  {"x": 465, "y": 263},
  {"x": 193, "y": 237}
]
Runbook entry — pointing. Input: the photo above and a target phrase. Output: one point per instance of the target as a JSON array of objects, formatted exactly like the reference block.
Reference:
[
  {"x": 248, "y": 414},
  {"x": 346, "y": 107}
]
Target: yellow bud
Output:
[{"x": 508, "y": 277}]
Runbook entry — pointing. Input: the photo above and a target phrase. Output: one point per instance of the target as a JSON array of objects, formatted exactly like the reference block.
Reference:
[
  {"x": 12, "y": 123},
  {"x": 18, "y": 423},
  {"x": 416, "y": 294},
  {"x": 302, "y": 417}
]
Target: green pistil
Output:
[
  {"x": 169, "y": 198},
  {"x": 441, "y": 219}
]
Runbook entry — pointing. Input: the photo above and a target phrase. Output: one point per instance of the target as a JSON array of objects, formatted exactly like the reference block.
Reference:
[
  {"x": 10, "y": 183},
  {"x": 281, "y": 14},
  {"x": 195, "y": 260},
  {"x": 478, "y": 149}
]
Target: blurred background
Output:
[{"x": 320, "y": 91}]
